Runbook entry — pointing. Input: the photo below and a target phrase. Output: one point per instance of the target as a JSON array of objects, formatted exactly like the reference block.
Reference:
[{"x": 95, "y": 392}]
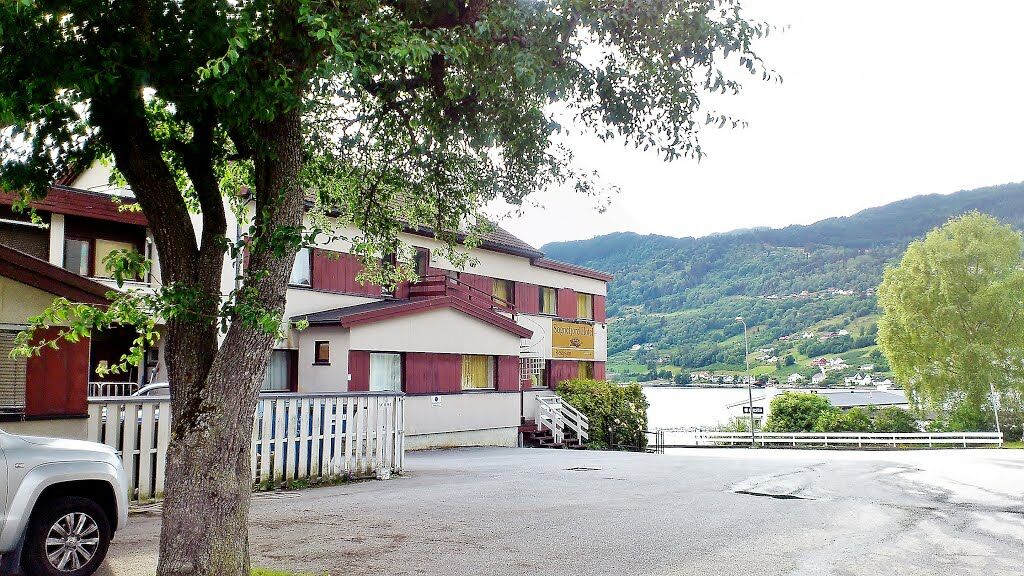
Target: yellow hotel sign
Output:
[{"x": 572, "y": 340}]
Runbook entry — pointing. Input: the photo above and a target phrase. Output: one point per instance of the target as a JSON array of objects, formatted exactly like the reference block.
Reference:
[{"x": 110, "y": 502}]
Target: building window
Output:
[
  {"x": 12, "y": 376},
  {"x": 586, "y": 371},
  {"x": 278, "y": 377},
  {"x": 301, "y": 269},
  {"x": 77, "y": 256},
  {"x": 503, "y": 290},
  {"x": 105, "y": 248},
  {"x": 322, "y": 352},
  {"x": 385, "y": 372},
  {"x": 584, "y": 306},
  {"x": 539, "y": 380},
  {"x": 477, "y": 372},
  {"x": 421, "y": 262},
  {"x": 548, "y": 301}
]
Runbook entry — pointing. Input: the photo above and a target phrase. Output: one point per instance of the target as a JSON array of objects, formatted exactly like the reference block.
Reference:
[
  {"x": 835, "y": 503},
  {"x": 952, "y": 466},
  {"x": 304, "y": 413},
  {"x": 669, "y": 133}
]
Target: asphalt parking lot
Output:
[{"x": 484, "y": 511}]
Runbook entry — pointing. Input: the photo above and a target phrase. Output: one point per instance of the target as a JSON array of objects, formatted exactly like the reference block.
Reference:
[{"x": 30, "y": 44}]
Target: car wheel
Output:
[{"x": 67, "y": 536}]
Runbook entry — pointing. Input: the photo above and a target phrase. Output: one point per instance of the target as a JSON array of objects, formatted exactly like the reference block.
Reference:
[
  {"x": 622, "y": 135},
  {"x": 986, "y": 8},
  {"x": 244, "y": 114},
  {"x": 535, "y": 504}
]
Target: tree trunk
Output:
[{"x": 208, "y": 480}]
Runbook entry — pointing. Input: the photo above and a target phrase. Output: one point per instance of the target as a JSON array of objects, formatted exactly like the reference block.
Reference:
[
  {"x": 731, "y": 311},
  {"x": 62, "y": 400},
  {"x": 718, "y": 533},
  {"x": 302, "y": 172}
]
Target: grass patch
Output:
[{"x": 1018, "y": 445}]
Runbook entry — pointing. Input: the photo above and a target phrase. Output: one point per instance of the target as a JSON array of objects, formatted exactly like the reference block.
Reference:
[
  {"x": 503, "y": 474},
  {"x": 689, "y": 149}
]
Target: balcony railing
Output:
[{"x": 441, "y": 285}]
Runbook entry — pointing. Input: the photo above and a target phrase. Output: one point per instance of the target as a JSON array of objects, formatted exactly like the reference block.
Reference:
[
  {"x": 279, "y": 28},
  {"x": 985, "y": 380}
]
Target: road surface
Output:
[{"x": 515, "y": 512}]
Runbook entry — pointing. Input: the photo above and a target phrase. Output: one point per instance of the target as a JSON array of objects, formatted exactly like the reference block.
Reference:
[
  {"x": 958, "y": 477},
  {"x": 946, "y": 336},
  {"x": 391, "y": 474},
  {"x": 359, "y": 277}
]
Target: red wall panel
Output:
[
  {"x": 567, "y": 303},
  {"x": 432, "y": 373},
  {"x": 484, "y": 287},
  {"x": 336, "y": 272},
  {"x": 527, "y": 298},
  {"x": 599, "y": 372},
  {"x": 562, "y": 370},
  {"x": 359, "y": 370},
  {"x": 600, "y": 313},
  {"x": 508, "y": 373},
  {"x": 57, "y": 381}
]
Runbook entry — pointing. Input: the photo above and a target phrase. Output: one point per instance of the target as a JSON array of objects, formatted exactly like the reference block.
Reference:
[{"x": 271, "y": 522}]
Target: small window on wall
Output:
[
  {"x": 548, "y": 301},
  {"x": 322, "y": 352},
  {"x": 301, "y": 269},
  {"x": 421, "y": 262},
  {"x": 585, "y": 306},
  {"x": 278, "y": 372},
  {"x": 503, "y": 290},
  {"x": 477, "y": 372},
  {"x": 77, "y": 256},
  {"x": 385, "y": 372},
  {"x": 586, "y": 371}
]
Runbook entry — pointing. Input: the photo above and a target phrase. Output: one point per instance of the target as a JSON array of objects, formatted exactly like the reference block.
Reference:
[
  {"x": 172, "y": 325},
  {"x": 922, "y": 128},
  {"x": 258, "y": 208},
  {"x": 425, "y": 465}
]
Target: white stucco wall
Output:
[
  {"x": 317, "y": 378},
  {"x": 439, "y": 331},
  {"x": 461, "y": 412},
  {"x": 96, "y": 178},
  {"x": 306, "y": 301}
]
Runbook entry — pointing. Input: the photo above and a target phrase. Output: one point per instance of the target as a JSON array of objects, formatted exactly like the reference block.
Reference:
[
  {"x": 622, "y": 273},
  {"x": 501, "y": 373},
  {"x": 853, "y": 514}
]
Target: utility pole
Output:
[{"x": 750, "y": 392}]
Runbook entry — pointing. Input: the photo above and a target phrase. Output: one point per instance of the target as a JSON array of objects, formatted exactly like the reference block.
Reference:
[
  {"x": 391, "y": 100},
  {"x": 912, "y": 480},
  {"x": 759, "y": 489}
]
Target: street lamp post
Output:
[{"x": 750, "y": 393}]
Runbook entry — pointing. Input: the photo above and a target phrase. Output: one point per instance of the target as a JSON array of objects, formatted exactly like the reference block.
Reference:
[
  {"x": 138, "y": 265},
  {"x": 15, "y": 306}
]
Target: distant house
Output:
[
  {"x": 808, "y": 335},
  {"x": 843, "y": 333},
  {"x": 795, "y": 378},
  {"x": 820, "y": 362},
  {"x": 818, "y": 378},
  {"x": 860, "y": 379},
  {"x": 728, "y": 379},
  {"x": 867, "y": 368}
]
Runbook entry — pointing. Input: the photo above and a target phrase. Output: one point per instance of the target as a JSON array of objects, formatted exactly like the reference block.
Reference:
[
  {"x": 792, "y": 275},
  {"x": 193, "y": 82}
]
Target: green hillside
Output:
[{"x": 676, "y": 298}]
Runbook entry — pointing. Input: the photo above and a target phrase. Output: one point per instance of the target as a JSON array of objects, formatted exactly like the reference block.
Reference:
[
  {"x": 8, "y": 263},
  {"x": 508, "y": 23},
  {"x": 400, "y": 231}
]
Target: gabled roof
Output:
[
  {"x": 77, "y": 202},
  {"x": 41, "y": 274},
  {"x": 386, "y": 309}
]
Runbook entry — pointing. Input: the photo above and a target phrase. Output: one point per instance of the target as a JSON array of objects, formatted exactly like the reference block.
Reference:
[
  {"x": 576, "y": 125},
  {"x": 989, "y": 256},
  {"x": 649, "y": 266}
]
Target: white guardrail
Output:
[
  {"x": 312, "y": 437},
  {"x": 859, "y": 439}
]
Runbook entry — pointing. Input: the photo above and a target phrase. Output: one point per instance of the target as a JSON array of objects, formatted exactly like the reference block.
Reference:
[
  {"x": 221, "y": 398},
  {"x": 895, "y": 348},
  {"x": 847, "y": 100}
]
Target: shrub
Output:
[
  {"x": 895, "y": 420},
  {"x": 617, "y": 414},
  {"x": 835, "y": 420},
  {"x": 796, "y": 412}
]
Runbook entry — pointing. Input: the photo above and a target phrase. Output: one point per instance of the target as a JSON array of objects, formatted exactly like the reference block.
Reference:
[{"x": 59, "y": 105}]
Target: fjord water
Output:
[{"x": 691, "y": 407}]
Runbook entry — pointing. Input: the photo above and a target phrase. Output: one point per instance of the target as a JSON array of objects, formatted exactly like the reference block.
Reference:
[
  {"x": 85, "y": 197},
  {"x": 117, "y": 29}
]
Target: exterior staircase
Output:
[{"x": 558, "y": 425}]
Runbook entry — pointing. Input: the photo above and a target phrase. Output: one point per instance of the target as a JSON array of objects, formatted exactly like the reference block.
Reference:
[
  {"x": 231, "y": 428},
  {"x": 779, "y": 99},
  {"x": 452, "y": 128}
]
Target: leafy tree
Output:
[
  {"x": 796, "y": 412},
  {"x": 894, "y": 420},
  {"x": 617, "y": 414},
  {"x": 682, "y": 378},
  {"x": 434, "y": 107},
  {"x": 836, "y": 420},
  {"x": 789, "y": 360},
  {"x": 953, "y": 323}
]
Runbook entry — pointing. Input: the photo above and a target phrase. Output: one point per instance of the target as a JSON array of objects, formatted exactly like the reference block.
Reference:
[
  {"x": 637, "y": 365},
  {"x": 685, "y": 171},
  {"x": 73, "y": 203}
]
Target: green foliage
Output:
[
  {"x": 835, "y": 420},
  {"x": 953, "y": 328},
  {"x": 895, "y": 420},
  {"x": 617, "y": 414},
  {"x": 796, "y": 412}
]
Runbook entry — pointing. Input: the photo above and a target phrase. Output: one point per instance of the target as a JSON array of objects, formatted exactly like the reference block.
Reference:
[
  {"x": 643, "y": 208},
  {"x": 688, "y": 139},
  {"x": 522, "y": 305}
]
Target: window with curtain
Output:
[
  {"x": 421, "y": 262},
  {"x": 103, "y": 249},
  {"x": 301, "y": 270},
  {"x": 586, "y": 371},
  {"x": 277, "y": 377},
  {"x": 504, "y": 290},
  {"x": 385, "y": 372},
  {"x": 585, "y": 306},
  {"x": 477, "y": 372},
  {"x": 539, "y": 380},
  {"x": 76, "y": 256},
  {"x": 322, "y": 352},
  {"x": 548, "y": 301}
]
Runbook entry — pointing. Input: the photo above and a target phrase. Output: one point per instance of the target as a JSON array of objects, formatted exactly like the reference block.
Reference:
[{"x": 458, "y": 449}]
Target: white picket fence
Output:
[
  {"x": 296, "y": 437},
  {"x": 860, "y": 439}
]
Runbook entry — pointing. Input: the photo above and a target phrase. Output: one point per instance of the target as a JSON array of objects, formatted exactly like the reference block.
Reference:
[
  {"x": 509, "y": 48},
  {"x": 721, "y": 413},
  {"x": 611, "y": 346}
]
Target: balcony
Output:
[{"x": 441, "y": 285}]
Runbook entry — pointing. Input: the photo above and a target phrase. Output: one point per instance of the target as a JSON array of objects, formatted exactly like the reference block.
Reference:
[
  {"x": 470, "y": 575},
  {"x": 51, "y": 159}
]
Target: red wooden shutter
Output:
[
  {"x": 567, "y": 303},
  {"x": 562, "y": 370},
  {"x": 527, "y": 298},
  {"x": 359, "y": 370},
  {"x": 600, "y": 315},
  {"x": 432, "y": 373},
  {"x": 599, "y": 372},
  {"x": 508, "y": 373},
  {"x": 57, "y": 381}
]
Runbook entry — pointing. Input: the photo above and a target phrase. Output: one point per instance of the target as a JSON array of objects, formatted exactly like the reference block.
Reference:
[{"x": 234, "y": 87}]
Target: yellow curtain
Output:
[
  {"x": 548, "y": 301},
  {"x": 586, "y": 371},
  {"x": 501, "y": 289},
  {"x": 584, "y": 306},
  {"x": 475, "y": 372}
]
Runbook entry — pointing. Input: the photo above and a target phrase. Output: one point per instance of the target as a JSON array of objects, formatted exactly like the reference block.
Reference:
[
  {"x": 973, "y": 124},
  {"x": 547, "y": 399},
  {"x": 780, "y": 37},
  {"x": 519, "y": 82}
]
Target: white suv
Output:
[{"x": 60, "y": 503}]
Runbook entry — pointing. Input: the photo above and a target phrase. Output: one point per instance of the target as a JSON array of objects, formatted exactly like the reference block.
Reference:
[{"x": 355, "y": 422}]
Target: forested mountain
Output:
[{"x": 679, "y": 296}]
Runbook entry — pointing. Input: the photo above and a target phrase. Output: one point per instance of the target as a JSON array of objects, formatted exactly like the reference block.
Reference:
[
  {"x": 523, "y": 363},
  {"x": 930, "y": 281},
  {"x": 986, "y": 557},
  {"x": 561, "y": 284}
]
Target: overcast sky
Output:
[{"x": 881, "y": 100}]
